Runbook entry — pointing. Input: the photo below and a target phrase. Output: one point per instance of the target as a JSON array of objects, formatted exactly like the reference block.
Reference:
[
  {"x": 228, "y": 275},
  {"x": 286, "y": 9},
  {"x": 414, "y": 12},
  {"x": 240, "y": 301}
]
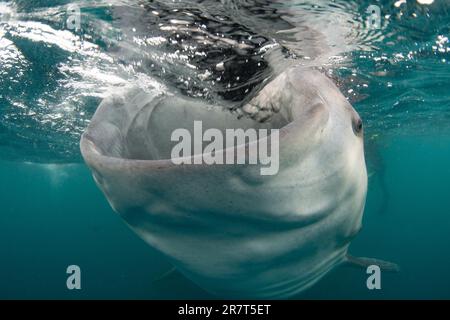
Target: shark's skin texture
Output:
[{"x": 236, "y": 233}]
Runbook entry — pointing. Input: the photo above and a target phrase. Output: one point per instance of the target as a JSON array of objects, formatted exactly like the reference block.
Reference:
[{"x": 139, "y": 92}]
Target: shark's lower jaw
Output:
[{"x": 245, "y": 262}]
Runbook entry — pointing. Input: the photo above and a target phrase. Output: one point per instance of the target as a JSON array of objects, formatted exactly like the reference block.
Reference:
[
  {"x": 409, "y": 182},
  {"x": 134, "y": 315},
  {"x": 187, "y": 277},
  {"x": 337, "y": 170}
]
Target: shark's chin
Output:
[{"x": 231, "y": 230}]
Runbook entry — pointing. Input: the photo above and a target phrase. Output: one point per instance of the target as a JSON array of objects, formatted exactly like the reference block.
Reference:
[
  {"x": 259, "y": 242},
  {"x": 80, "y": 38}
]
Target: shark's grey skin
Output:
[{"x": 232, "y": 231}]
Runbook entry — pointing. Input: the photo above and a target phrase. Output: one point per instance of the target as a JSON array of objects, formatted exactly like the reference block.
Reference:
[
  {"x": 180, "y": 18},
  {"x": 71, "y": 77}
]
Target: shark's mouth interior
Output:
[{"x": 141, "y": 127}]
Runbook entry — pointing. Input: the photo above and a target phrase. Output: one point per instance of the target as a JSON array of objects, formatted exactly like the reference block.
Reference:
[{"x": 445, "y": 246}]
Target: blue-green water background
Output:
[{"x": 53, "y": 215}]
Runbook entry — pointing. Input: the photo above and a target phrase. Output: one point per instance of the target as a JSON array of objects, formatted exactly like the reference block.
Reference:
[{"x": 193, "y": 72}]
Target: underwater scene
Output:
[{"x": 241, "y": 149}]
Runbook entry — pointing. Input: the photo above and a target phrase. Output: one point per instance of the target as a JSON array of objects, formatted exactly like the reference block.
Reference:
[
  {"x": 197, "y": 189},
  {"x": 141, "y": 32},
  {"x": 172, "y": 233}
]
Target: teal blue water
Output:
[{"x": 52, "y": 215}]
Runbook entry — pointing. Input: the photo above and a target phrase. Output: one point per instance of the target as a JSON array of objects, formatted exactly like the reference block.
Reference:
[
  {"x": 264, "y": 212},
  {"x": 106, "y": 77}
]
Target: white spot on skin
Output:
[
  {"x": 399, "y": 3},
  {"x": 426, "y": 2},
  {"x": 220, "y": 66}
]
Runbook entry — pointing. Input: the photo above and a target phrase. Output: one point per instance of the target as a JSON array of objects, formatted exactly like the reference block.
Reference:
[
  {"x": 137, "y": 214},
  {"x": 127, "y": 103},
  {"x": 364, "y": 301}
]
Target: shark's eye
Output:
[{"x": 357, "y": 126}]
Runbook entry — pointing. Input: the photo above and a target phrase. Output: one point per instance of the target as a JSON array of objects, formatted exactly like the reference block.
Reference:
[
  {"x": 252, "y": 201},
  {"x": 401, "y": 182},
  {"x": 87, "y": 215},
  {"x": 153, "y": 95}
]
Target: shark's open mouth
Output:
[{"x": 140, "y": 125}]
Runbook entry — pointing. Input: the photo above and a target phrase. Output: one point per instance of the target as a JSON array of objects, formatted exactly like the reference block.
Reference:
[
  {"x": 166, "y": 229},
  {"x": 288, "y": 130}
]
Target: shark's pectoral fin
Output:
[
  {"x": 164, "y": 275},
  {"x": 366, "y": 262}
]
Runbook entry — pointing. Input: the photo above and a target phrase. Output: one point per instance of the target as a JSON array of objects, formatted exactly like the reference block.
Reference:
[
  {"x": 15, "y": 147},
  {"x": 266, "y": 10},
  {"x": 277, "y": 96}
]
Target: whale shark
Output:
[{"x": 231, "y": 230}]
